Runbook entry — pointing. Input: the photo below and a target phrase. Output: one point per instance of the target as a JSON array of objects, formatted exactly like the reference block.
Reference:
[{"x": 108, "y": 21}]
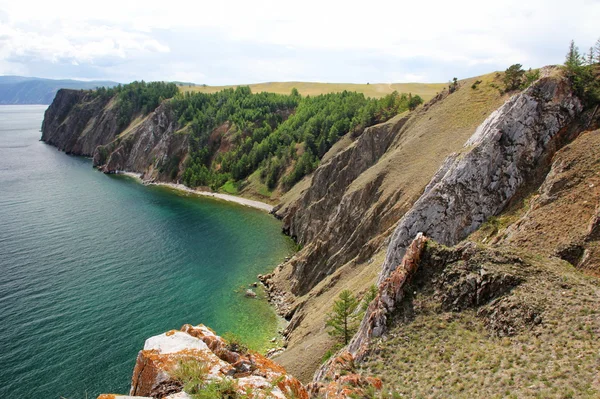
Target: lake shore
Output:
[{"x": 225, "y": 197}]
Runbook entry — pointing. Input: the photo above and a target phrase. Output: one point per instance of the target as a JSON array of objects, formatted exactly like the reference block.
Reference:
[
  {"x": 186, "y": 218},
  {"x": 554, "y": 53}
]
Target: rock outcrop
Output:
[
  {"x": 310, "y": 221},
  {"x": 157, "y": 373},
  {"x": 78, "y": 121},
  {"x": 501, "y": 156},
  {"x": 363, "y": 187},
  {"x": 152, "y": 148}
]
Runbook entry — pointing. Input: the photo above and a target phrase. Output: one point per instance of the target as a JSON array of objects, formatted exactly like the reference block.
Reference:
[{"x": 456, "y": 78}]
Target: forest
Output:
[{"x": 283, "y": 137}]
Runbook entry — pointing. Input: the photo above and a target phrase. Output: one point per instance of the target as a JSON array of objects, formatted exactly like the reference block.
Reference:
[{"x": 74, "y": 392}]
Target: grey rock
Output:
[{"x": 502, "y": 154}]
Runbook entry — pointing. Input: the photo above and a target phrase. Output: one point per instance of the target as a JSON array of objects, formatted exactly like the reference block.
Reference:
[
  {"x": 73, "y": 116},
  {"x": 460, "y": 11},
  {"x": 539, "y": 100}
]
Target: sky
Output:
[{"x": 239, "y": 41}]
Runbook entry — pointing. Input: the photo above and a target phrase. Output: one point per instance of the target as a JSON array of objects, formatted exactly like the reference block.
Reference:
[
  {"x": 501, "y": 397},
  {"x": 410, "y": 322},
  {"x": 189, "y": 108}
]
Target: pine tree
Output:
[
  {"x": 589, "y": 59},
  {"x": 343, "y": 321},
  {"x": 573, "y": 60}
]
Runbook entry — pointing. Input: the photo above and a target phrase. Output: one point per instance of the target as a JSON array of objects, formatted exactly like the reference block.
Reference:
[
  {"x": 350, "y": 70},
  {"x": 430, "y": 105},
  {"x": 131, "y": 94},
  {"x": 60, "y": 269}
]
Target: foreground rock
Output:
[{"x": 158, "y": 370}]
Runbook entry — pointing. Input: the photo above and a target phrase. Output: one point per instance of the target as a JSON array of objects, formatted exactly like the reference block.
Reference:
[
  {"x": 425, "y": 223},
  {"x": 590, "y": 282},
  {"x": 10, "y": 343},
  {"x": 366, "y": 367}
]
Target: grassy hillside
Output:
[
  {"x": 375, "y": 90},
  {"x": 433, "y": 132},
  {"x": 535, "y": 337}
]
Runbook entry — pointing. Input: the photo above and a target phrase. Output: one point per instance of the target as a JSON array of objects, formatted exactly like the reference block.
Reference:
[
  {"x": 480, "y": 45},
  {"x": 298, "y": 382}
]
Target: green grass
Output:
[
  {"x": 230, "y": 188},
  {"x": 438, "y": 354},
  {"x": 375, "y": 90}
]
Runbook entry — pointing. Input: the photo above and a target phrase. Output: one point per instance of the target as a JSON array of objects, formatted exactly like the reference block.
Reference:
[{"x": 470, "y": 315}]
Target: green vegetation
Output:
[
  {"x": 582, "y": 71},
  {"x": 453, "y": 85},
  {"x": 369, "y": 296},
  {"x": 137, "y": 97},
  {"x": 517, "y": 78},
  {"x": 512, "y": 77},
  {"x": 192, "y": 374},
  {"x": 260, "y": 138},
  {"x": 343, "y": 320}
]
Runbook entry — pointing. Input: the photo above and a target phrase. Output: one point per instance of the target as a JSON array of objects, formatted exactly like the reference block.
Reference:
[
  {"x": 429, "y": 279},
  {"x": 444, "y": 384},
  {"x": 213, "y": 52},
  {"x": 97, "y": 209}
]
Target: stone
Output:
[{"x": 499, "y": 158}]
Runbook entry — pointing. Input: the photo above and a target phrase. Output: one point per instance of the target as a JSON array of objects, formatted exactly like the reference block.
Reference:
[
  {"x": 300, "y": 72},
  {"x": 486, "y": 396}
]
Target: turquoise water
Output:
[{"x": 91, "y": 265}]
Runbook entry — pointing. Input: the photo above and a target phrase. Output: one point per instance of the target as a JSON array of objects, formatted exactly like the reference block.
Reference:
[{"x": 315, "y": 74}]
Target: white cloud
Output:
[{"x": 465, "y": 36}]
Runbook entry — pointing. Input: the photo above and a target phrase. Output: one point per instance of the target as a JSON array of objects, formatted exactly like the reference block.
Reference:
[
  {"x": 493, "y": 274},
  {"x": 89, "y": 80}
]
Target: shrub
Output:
[{"x": 512, "y": 77}]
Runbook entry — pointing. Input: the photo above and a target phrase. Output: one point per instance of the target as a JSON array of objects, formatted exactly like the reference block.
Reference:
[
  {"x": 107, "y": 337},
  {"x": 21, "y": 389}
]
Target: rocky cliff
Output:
[
  {"x": 82, "y": 123},
  {"x": 344, "y": 214},
  {"x": 152, "y": 148},
  {"x": 502, "y": 155},
  {"x": 78, "y": 121}
]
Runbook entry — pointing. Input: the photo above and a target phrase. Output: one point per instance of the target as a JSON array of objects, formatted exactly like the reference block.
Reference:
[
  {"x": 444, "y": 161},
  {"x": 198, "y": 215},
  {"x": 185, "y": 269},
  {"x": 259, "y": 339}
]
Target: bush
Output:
[
  {"x": 476, "y": 84},
  {"x": 512, "y": 77}
]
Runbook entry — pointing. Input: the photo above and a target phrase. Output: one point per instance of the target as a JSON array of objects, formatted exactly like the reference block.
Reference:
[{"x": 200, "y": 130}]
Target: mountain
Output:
[
  {"x": 473, "y": 219},
  {"x": 29, "y": 90}
]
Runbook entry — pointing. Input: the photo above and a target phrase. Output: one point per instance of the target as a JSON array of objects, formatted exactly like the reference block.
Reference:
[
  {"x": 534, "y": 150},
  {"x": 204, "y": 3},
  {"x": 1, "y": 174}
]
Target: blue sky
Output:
[{"x": 229, "y": 42}]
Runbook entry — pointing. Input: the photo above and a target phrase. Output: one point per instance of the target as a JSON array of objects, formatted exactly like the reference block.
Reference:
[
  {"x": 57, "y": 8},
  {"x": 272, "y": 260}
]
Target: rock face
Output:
[
  {"x": 345, "y": 213},
  {"x": 81, "y": 123},
  {"x": 390, "y": 293},
  {"x": 157, "y": 365},
  {"x": 78, "y": 121},
  {"x": 309, "y": 218},
  {"x": 151, "y": 148},
  {"x": 500, "y": 157},
  {"x": 563, "y": 219}
]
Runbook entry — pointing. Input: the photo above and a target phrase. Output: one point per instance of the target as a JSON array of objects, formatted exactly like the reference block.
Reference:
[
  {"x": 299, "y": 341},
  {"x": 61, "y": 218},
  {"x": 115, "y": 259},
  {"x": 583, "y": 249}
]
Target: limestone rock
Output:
[
  {"x": 153, "y": 375},
  {"x": 498, "y": 159}
]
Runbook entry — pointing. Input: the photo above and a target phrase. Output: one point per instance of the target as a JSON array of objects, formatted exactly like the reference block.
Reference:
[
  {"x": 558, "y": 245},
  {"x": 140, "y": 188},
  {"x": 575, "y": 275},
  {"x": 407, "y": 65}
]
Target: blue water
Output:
[{"x": 91, "y": 265}]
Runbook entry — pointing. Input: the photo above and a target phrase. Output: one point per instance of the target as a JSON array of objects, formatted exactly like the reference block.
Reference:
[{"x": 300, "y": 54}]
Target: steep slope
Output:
[
  {"x": 502, "y": 156},
  {"x": 77, "y": 122},
  {"x": 510, "y": 314},
  {"x": 151, "y": 148},
  {"x": 563, "y": 217},
  {"x": 352, "y": 204}
]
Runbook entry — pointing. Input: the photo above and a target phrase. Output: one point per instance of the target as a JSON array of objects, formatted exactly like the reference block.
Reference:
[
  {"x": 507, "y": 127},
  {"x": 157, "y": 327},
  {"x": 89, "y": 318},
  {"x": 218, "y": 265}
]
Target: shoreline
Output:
[{"x": 225, "y": 197}]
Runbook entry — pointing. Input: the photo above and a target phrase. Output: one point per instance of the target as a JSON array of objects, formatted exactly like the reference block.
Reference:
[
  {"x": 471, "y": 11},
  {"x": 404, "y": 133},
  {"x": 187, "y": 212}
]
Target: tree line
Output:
[{"x": 283, "y": 137}]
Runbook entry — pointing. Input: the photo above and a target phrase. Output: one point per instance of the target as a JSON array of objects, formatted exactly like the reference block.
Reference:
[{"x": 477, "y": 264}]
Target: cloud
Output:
[{"x": 240, "y": 41}]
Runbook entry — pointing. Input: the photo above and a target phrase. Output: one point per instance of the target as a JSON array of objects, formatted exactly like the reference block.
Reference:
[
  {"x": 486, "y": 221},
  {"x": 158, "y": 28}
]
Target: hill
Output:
[
  {"x": 475, "y": 216},
  {"x": 375, "y": 90},
  {"x": 29, "y": 90}
]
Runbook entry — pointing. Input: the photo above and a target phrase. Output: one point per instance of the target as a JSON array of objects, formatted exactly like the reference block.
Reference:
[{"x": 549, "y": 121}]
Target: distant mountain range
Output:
[{"x": 28, "y": 90}]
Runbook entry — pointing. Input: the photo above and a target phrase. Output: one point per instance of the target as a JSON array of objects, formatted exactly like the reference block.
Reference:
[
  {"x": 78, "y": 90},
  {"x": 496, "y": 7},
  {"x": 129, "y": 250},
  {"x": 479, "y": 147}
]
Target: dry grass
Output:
[
  {"x": 376, "y": 90},
  {"x": 418, "y": 151},
  {"x": 452, "y": 354},
  {"x": 311, "y": 341}
]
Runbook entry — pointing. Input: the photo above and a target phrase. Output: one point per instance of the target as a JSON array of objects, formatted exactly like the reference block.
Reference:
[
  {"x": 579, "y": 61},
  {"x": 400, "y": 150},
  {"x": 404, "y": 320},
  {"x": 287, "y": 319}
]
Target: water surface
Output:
[{"x": 91, "y": 265}]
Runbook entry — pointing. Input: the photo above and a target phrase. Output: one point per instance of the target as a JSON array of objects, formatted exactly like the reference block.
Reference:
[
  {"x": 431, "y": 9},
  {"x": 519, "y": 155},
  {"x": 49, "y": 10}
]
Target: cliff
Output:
[
  {"x": 82, "y": 123},
  {"x": 77, "y": 122},
  {"x": 356, "y": 217},
  {"x": 515, "y": 174},
  {"x": 151, "y": 147}
]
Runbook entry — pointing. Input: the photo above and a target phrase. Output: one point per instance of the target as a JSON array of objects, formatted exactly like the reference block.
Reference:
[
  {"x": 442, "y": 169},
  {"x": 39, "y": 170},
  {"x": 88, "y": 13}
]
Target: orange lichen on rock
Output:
[
  {"x": 163, "y": 354},
  {"x": 391, "y": 292},
  {"x": 344, "y": 387}
]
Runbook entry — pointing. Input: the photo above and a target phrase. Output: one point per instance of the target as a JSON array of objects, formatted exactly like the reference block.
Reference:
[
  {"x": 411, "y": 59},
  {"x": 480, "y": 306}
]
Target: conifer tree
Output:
[
  {"x": 343, "y": 321},
  {"x": 573, "y": 59}
]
